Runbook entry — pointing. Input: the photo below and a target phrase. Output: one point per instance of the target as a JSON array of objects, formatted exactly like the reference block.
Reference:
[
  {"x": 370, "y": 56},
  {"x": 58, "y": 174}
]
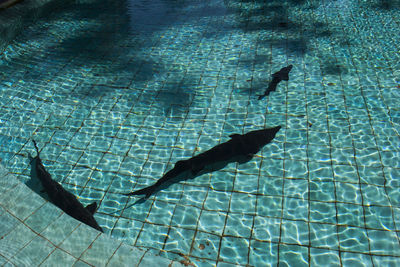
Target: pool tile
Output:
[
  {"x": 295, "y": 169},
  {"x": 384, "y": 243},
  {"x": 379, "y": 217},
  {"x": 125, "y": 254},
  {"x": 323, "y": 256},
  {"x": 149, "y": 259},
  {"x": 266, "y": 229},
  {"x": 79, "y": 263},
  {"x": 320, "y": 171},
  {"x": 79, "y": 240},
  {"x": 324, "y": 236},
  {"x": 297, "y": 188},
  {"x": 177, "y": 234},
  {"x": 206, "y": 245},
  {"x": 234, "y": 250},
  {"x": 293, "y": 255},
  {"x": 7, "y": 222},
  {"x": 295, "y": 209},
  {"x": 323, "y": 212},
  {"x": 59, "y": 258},
  {"x": 385, "y": 260},
  {"x": 161, "y": 210},
  {"x": 394, "y": 196},
  {"x": 239, "y": 225},
  {"x": 322, "y": 191},
  {"x": 242, "y": 203},
  {"x": 47, "y": 211},
  {"x": 263, "y": 253},
  {"x": 356, "y": 259},
  {"x": 270, "y": 206},
  {"x": 100, "y": 250},
  {"x": 15, "y": 198},
  {"x": 32, "y": 254},
  {"x": 127, "y": 230},
  {"x": 212, "y": 222},
  {"x": 16, "y": 240},
  {"x": 353, "y": 239},
  {"x": 185, "y": 216},
  {"x": 294, "y": 232},
  {"x": 153, "y": 236},
  {"x": 349, "y": 193}
]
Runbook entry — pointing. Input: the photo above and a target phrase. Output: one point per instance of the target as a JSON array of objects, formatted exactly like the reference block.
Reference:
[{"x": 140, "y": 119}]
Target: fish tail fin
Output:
[
  {"x": 36, "y": 147},
  {"x": 145, "y": 191}
]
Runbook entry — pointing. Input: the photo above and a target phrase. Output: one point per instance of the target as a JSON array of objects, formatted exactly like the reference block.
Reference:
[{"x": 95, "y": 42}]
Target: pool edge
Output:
[{"x": 20, "y": 211}]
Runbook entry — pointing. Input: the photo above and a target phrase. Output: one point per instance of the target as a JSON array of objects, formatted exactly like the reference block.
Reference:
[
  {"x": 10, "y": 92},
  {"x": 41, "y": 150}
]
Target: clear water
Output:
[{"x": 115, "y": 92}]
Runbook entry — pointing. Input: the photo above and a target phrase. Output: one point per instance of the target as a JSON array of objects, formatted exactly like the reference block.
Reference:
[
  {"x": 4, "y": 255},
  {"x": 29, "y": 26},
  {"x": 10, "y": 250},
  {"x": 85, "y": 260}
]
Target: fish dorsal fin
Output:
[
  {"x": 235, "y": 136},
  {"x": 92, "y": 208}
]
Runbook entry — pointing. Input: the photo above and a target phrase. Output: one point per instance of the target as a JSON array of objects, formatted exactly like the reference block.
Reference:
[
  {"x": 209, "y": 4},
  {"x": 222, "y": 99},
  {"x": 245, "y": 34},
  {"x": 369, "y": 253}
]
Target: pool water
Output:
[{"x": 116, "y": 92}]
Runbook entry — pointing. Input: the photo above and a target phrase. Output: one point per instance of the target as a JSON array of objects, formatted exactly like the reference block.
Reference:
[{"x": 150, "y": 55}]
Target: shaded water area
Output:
[{"x": 116, "y": 92}]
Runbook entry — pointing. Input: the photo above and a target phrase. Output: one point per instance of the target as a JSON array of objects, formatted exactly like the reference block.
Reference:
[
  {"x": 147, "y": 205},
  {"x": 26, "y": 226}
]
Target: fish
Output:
[
  {"x": 277, "y": 77},
  {"x": 240, "y": 148},
  {"x": 60, "y": 197}
]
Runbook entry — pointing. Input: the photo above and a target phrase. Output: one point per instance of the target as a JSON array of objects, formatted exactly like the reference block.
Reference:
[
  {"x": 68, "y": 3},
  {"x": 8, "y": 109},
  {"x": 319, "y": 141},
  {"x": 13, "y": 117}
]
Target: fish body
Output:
[
  {"x": 277, "y": 77},
  {"x": 61, "y": 197},
  {"x": 240, "y": 148}
]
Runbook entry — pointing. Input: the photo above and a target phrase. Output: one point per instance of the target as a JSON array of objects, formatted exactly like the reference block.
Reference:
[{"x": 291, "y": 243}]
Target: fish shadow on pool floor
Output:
[{"x": 240, "y": 148}]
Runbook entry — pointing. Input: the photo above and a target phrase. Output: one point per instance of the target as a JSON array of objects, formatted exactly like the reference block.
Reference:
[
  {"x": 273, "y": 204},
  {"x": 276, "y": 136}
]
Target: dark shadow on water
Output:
[
  {"x": 274, "y": 17},
  {"x": 115, "y": 34},
  {"x": 331, "y": 67},
  {"x": 386, "y": 5}
]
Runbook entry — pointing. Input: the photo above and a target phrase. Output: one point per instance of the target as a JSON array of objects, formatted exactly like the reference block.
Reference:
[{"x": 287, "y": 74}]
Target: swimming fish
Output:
[
  {"x": 277, "y": 77},
  {"x": 61, "y": 197},
  {"x": 240, "y": 148}
]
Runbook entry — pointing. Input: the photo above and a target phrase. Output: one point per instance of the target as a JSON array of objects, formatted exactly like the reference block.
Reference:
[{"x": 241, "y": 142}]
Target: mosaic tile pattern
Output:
[
  {"x": 116, "y": 93},
  {"x": 35, "y": 232}
]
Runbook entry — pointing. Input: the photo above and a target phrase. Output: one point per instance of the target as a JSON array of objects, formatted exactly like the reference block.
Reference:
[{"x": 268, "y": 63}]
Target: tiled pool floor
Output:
[{"x": 116, "y": 93}]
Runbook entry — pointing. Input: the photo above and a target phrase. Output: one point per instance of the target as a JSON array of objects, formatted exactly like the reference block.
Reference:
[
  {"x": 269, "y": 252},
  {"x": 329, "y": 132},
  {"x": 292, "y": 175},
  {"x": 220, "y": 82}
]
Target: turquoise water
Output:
[{"x": 116, "y": 92}]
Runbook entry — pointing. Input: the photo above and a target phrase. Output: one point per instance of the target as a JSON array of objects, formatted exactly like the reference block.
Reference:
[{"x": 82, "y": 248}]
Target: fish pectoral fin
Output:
[
  {"x": 235, "y": 135},
  {"x": 92, "y": 208}
]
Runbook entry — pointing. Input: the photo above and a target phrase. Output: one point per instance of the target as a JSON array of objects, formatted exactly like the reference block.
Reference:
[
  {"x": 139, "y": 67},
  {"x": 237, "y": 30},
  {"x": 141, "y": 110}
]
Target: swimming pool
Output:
[{"x": 115, "y": 93}]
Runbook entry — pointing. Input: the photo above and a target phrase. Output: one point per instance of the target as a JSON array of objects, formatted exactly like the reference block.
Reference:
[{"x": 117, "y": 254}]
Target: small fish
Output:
[
  {"x": 277, "y": 77},
  {"x": 61, "y": 197},
  {"x": 240, "y": 148}
]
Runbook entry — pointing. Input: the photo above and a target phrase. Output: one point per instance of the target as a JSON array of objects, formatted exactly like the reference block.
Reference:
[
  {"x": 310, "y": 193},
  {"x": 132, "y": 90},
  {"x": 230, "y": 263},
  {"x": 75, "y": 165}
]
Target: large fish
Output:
[
  {"x": 277, "y": 77},
  {"x": 61, "y": 197},
  {"x": 240, "y": 148}
]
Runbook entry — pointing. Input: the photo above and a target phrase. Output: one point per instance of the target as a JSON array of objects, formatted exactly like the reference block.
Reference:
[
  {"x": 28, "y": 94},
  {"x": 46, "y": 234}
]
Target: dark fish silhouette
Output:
[
  {"x": 61, "y": 197},
  {"x": 240, "y": 148},
  {"x": 277, "y": 77}
]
